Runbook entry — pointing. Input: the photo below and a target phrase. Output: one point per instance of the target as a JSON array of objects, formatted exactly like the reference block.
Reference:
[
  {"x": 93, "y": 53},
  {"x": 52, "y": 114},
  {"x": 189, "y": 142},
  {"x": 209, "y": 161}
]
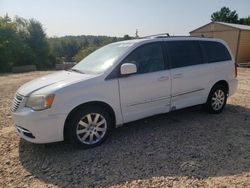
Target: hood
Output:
[{"x": 52, "y": 79}]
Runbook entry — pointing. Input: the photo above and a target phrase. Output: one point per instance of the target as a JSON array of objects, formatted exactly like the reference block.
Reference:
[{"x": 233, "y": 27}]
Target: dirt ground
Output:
[{"x": 185, "y": 148}]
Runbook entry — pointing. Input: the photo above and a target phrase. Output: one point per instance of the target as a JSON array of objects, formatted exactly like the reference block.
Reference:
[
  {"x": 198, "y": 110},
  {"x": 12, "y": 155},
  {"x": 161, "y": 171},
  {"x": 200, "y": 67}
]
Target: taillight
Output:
[{"x": 235, "y": 70}]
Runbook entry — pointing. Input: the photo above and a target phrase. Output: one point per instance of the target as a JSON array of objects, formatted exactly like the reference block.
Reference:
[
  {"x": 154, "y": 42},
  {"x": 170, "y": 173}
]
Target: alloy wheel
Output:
[
  {"x": 218, "y": 100},
  {"x": 91, "y": 128}
]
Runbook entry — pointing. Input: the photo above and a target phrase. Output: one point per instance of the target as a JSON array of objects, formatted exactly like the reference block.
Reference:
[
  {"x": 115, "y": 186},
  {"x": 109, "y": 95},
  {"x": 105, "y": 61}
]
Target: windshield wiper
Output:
[{"x": 76, "y": 70}]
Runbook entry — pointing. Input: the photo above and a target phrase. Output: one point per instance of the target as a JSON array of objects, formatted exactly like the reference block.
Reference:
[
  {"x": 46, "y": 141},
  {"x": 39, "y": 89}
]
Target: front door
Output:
[{"x": 148, "y": 91}]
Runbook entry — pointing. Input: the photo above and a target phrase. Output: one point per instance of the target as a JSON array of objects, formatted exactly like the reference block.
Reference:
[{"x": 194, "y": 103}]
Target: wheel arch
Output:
[
  {"x": 223, "y": 83},
  {"x": 84, "y": 105}
]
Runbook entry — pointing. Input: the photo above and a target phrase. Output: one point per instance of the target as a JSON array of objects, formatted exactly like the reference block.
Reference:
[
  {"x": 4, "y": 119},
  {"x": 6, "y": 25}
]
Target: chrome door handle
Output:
[
  {"x": 178, "y": 76},
  {"x": 162, "y": 78}
]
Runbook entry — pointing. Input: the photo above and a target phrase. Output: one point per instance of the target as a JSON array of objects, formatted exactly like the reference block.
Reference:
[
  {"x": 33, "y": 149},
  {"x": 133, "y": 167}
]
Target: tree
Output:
[
  {"x": 126, "y": 37},
  {"x": 8, "y": 43},
  {"x": 96, "y": 41},
  {"x": 68, "y": 48},
  {"x": 85, "y": 43},
  {"x": 225, "y": 15},
  {"x": 39, "y": 44},
  {"x": 25, "y": 55},
  {"x": 84, "y": 53},
  {"x": 23, "y": 42},
  {"x": 245, "y": 21}
]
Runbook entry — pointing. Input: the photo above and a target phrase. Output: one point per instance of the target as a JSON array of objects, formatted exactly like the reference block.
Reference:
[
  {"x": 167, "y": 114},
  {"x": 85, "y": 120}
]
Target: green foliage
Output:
[
  {"x": 126, "y": 37},
  {"x": 228, "y": 16},
  {"x": 245, "y": 21},
  {"x": 84, "y": 53},
  {"x": 225, "y": 15},
  {"x": 65, "y": 48},
  {"x": 8, "y": 38},
  {"x": 74, "y": 48},
  {"x": 39, "y": 45},
  {"x": 23, "y": 42}
]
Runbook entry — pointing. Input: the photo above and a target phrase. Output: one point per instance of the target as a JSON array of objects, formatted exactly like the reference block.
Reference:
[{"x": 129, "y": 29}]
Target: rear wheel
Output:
[
  {"x": 89, "y": 126},
  {"x": 216, "y": 100}
]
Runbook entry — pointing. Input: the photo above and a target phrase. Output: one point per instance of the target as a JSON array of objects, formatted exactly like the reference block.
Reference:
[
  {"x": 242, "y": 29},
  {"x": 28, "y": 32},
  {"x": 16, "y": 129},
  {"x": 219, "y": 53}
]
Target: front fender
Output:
[{"x": 73, "y": 96}]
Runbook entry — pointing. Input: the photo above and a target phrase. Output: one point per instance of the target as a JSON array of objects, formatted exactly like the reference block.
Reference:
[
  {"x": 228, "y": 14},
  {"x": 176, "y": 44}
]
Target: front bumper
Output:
[{"x": 39, "y": 126}]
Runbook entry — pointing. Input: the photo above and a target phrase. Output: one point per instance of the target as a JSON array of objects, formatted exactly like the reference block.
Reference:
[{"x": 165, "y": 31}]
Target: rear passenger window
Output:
[
  {"x": 214, "y": 51},
  {"x": 184, "y": 53}
]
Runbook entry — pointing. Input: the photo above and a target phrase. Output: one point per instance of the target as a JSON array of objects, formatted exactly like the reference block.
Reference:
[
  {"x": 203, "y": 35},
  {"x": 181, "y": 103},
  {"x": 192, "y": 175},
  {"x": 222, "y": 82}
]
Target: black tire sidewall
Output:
[{"x": 77, "y": 116}]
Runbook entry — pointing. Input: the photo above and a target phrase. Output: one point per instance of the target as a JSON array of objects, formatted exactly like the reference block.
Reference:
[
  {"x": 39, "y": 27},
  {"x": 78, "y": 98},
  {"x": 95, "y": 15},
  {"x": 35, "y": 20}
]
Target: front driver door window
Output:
[{"x": 148, "y": 58}]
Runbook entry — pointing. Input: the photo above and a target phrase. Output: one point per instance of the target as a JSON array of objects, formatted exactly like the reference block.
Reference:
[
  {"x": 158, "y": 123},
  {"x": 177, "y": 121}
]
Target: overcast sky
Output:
[{"x": 120, "y": 17}]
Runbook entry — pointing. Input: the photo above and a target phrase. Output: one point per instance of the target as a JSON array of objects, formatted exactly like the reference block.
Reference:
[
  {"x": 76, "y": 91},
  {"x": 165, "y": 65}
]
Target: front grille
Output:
[{"x": 16, "y": 102}]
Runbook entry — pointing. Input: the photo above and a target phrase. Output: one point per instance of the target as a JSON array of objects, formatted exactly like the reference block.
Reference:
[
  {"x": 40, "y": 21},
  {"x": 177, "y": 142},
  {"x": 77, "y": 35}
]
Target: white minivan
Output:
[{"x": 123, "y": 82}]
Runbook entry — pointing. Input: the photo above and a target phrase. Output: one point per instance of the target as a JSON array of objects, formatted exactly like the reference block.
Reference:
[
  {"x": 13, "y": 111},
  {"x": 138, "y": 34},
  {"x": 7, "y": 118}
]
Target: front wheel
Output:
[
  {"x": 216, "y": 100},
  {"x": 89, "y": 126}
]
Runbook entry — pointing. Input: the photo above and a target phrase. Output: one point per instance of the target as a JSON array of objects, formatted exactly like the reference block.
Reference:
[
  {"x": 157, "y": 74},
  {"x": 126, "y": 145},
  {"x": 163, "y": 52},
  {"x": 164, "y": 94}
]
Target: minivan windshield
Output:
[{"x": 100, "y": 60}]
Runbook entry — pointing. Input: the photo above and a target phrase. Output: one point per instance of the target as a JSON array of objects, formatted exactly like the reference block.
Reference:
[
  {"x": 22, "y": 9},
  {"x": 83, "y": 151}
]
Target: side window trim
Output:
[
  {"x": 165, "y": 56},
  {"x": 203, "y": 54}
]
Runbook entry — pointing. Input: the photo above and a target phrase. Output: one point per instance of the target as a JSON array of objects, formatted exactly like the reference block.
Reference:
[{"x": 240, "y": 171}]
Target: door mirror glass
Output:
[{"x": 128, "y": 68}]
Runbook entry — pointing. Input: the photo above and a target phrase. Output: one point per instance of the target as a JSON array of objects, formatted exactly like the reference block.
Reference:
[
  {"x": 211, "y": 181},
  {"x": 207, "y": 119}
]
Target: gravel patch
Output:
[{"x": 185, "y": 148}]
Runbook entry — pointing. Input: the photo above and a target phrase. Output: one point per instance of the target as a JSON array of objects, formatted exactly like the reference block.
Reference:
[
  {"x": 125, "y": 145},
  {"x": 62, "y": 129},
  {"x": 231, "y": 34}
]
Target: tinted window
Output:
[
  {"x": 214, "y": 51},
  {"x": 184, "y": 53},
  {"x": 148, "y": 58}
]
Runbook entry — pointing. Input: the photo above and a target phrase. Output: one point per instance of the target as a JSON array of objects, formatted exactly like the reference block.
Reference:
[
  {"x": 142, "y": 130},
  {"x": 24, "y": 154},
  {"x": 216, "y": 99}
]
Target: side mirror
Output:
[{"x": 128, "y": 68}]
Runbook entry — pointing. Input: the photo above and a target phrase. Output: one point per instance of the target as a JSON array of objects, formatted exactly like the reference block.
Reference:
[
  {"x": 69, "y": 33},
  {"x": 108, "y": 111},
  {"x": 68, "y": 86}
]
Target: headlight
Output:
[{"x": 40, "y": 102}]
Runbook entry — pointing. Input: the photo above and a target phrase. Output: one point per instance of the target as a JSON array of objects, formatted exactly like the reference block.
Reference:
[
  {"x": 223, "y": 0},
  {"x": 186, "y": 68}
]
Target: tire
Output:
[
  {"x": 89, "y": 126},
  {"x": 217, "y": 99}
]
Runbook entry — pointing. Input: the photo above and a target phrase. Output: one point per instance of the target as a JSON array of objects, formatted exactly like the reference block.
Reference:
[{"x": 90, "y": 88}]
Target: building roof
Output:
[{"x": 236, "y": 26}]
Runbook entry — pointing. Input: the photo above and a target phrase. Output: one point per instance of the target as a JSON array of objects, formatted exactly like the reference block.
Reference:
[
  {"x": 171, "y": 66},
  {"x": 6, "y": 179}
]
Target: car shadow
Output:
[{"x": 187, "y": 142}]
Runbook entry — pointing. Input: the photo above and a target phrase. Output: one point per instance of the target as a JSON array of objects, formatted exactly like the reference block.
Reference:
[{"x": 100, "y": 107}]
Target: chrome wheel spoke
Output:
[
  {"x": 217, "y": 106},
  {"x": 89, "y": 118},
  {"x": 83, "y": 124},
  {"x": 91, "y": 138},
  {"x": 218, "y": 94},
  {"x": 214, "y": 103},
  {"x": 221, "y": 101},
  {"x": 81, "y": 131},
  {"x": 98, "y": 136},
  {"x": 100, "y": 123},
  {"x": 96, "y": 118},
  {"x": 100, "y": 129},
  {"x": 85, "y": 136},
  {"x": 221, "y": 94}
]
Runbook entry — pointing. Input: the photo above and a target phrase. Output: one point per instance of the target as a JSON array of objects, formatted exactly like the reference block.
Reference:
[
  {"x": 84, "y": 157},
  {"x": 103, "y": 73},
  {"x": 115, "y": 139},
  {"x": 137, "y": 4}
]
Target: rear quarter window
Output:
[{"x": 214, "y": 51}]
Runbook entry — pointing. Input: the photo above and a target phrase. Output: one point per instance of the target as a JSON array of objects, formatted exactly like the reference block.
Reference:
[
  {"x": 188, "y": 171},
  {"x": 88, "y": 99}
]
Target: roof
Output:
[{"x": 236, "y": 26}]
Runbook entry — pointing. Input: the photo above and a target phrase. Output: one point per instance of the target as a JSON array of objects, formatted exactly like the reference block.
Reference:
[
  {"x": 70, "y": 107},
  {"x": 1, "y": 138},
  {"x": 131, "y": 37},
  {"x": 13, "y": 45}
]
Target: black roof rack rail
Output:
[
  {"x": 162, "y": 35},
  {"x": 165, "y": 35},
  {"x": 202, "y": 36}
]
